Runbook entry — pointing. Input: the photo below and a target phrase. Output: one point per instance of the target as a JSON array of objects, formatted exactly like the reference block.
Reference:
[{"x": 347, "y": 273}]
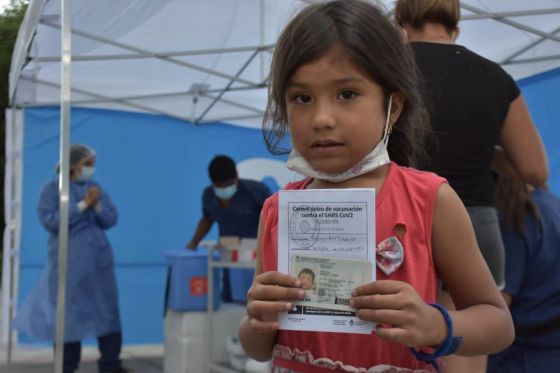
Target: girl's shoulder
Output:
[
  {"x": 416, "y": 173},
  {"x": 272, "y": 201},
  {"x": 300, "y": 184},
  {"x": 410, "y": 186},
  {"x": 413, "y": 176}
]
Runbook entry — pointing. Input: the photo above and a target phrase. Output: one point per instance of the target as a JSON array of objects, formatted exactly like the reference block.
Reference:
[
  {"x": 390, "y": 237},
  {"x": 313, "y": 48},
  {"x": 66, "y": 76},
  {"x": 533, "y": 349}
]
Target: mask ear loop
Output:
[{"x": 387, "y": 129}]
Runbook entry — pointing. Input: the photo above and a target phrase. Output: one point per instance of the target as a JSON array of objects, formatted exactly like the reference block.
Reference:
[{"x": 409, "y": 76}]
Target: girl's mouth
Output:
[
  {"x": 325, "y": 147},
  {"x": 325, "y": 143}
]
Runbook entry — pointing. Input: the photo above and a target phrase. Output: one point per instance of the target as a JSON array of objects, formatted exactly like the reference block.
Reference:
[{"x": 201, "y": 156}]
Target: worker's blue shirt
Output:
[
  {"x": 241, "y": 217},
  {"x": 533, "y": 265},
  {"x": 533, "y": 280}
]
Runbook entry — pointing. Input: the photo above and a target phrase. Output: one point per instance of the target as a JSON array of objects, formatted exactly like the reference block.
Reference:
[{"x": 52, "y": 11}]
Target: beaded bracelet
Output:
[{"x": 449, "y": 345}]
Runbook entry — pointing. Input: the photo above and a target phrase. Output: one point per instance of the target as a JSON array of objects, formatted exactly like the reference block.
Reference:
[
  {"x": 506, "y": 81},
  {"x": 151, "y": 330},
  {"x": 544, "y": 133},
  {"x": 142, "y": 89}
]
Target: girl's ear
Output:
[{"x": 396, "y": 108}]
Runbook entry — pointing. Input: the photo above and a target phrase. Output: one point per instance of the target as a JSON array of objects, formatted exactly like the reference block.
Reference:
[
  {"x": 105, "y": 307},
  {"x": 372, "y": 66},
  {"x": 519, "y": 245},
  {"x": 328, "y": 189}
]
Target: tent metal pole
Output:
[
  {"x": 517, "y": 25},
  {"x": 262, "y": 38},
  {"x": 135, "y": 56},
  {"x": 12, "y": 227},
  {"x": 121, "y": 100},
  {"x": 227, "y": 87},
  {"x": 224, "y": 119},
  {"x": 524, "y": 49},
  {"x": 531, "y": 60},
  {"x": 533, "y": 12},
  {"x": 143, "y": 51},
  {"x": 233, "y": 103},
  {"x": 102, "y": 98},
  {"x": 9, "y": 135},
  {"x": 64, "y": 181}
]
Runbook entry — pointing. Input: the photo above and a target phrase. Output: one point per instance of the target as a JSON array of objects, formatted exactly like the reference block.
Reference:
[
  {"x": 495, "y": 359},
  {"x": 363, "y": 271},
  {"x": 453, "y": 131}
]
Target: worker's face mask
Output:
[
  {"x": 87, "y": 173},
  {"x": 227, "y": 192}
]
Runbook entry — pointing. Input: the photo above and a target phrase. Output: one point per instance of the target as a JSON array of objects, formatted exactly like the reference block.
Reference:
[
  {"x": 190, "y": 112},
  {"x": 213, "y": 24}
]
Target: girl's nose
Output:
[{"x": 324, "y": 117}]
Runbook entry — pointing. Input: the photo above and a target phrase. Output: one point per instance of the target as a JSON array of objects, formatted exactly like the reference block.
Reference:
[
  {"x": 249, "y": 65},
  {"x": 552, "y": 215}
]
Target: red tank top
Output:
[{"x": 406, "y": 200}]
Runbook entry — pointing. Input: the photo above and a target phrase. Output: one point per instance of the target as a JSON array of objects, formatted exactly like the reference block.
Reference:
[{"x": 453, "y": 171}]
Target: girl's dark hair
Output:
[
  {"x": 373, "y": 45},
  {"x": 514, "y": 203}
]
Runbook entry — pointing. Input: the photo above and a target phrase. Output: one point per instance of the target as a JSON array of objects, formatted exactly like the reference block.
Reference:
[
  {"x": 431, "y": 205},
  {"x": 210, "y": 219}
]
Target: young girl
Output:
[{"x": 343, "y": 84}]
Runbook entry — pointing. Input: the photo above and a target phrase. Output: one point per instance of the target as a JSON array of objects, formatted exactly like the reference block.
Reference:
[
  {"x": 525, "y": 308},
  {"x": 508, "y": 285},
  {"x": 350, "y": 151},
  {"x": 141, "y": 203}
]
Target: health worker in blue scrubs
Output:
[
  {"x": 235, "y": 204},
  {"x": 91, "y": 290},
  {"x": 530, "y": 223}
]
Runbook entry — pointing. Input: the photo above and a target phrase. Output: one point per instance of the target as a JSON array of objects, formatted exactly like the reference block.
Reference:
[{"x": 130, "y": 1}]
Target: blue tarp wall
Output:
[{"x": 155, "y": 169}]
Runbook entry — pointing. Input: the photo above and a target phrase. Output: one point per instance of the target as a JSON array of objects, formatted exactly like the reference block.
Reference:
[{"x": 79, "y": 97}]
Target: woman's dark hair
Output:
[
  {"x": 514, "y": 203},
  {"x": 373, "y": 45},
  {"x": 416, "y": 13}
]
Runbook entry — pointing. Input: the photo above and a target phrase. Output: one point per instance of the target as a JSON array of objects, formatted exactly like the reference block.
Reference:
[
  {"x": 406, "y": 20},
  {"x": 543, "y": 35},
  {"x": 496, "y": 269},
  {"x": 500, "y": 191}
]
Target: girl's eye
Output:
[
  {"x": 346, "y": 95},
  {"x": 302, "y": 99}
]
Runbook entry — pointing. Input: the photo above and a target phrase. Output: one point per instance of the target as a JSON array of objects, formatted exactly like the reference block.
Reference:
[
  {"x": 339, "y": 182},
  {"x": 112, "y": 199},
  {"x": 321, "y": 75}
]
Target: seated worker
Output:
[{"x": 235, "y": 204}]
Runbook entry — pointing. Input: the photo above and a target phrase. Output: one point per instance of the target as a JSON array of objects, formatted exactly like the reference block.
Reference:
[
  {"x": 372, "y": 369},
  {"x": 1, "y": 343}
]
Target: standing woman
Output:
[
  {"x": 91, "y": 290},
  {"x": 479, "y": 120}
]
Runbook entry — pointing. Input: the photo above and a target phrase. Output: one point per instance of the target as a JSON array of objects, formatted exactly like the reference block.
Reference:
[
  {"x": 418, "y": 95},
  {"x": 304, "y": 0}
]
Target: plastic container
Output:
[
  {"x": 240, "y": 281},
  {"x": 237, "y": 357},
  {"x": 188, "y": 280},
  {"x": 186, "y": 338},
  {"x": 253, "y": 366}
]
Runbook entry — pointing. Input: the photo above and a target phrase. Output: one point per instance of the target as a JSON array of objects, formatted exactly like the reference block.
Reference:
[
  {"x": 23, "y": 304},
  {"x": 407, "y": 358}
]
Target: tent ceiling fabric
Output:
[{"x": 206, "y": 60}]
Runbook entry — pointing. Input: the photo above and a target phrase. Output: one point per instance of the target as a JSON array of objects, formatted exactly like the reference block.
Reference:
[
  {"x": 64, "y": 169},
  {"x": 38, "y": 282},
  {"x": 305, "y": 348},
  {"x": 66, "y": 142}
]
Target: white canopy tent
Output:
[{"x": 205, "y": 61}]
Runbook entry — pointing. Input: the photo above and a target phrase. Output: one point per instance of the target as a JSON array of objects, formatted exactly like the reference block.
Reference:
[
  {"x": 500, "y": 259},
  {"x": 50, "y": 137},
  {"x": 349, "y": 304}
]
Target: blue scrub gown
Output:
[
  {"x": 91, "y": 289},
  {"x": 533, "y": 280}
]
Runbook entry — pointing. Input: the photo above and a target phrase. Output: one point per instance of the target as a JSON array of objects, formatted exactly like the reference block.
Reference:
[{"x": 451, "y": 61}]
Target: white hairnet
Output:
[{"x": 78, "y": 153}]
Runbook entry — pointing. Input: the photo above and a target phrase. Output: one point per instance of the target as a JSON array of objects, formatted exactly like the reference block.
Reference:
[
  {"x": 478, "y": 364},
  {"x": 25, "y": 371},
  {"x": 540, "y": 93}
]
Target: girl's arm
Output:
[
  {"x": 269, "y": 295},
  {"x": 522, "y": 145},
  {"x": 482, "y": 318}
]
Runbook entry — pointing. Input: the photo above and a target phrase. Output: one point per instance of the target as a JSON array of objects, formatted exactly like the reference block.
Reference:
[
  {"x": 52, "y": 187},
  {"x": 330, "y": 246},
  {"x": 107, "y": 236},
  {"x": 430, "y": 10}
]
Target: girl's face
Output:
[{"x": 335, "y": 112}]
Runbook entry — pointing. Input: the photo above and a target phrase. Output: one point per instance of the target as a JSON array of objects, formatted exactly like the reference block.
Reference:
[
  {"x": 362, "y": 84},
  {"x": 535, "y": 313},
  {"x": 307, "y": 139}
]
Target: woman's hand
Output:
[
  {"x": 401, "y": 314},
  {"x": 92, "y": 196},
  {"x": 271, "y": 293}
]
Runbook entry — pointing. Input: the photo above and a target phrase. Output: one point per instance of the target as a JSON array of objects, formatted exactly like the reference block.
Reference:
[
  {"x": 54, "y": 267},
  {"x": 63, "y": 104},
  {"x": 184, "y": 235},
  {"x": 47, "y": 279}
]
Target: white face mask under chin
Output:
[{"x": 378, "y": 157}]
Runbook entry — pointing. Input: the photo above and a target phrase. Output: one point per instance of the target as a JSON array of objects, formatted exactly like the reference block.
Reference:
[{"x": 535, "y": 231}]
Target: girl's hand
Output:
[
  {"x": 271, "y": 293},
  {"x": 401, "y": 314}
]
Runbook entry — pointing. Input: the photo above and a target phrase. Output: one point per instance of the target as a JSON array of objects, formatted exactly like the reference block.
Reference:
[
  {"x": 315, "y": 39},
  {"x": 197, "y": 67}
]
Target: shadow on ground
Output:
[{"x": 138, "y": 365}]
